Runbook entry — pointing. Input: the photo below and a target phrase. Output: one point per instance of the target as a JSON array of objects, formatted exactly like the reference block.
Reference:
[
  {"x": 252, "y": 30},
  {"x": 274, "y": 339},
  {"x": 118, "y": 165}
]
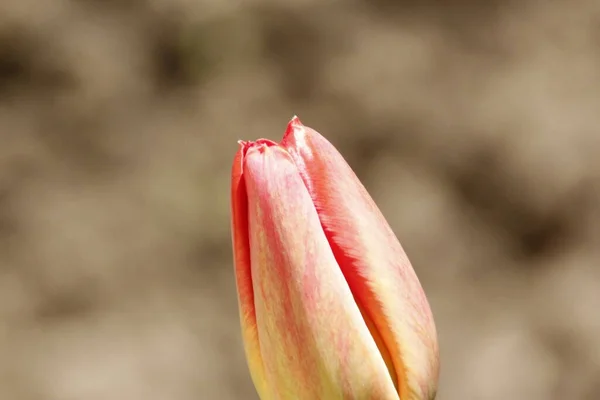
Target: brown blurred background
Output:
[{"x": 475, "y": 125}]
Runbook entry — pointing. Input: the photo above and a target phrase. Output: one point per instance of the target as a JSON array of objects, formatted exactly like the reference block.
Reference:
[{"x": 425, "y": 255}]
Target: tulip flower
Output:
[{"x": 330, "y": 306}]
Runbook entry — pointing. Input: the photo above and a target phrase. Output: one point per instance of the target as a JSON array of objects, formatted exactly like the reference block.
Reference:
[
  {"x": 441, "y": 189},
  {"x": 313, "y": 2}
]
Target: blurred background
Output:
[{"x": 475, "y": 125}]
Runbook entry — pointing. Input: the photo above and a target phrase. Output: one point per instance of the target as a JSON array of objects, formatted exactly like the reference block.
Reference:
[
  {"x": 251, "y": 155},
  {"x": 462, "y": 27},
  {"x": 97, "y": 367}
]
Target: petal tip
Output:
[
  {"x": 293, "y": 126},
  {"x": 295, "y": 121}
]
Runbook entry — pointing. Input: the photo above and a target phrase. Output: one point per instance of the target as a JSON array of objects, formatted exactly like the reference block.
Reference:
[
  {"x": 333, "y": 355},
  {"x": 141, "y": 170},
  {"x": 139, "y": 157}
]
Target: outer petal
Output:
[
  {"x": 372, "y": 261},
  {"x": 241, "y": 255},
  {"x": 313, "y": 340}
]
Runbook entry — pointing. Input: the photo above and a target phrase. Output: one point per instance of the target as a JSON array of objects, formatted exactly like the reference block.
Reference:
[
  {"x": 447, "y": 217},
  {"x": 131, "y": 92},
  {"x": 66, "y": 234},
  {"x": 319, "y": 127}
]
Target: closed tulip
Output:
[{"x": 330, "y": 306}]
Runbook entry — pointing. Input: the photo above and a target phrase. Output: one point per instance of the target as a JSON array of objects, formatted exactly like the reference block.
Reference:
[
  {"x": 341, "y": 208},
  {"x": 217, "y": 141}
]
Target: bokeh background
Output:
[{"x": 474, "y": 124}]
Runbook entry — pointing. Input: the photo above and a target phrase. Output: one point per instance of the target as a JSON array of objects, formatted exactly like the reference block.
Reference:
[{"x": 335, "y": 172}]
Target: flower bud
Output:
[{"x": 330, "y": 306}]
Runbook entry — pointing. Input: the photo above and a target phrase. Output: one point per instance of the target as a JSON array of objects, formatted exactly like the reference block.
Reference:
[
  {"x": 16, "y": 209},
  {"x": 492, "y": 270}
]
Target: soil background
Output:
[{"x": 475, "y": 125}]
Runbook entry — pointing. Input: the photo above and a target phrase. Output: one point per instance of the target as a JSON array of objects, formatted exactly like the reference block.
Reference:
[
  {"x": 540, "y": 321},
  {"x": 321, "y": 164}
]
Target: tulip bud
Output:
[{"x": 330, "y": 306}]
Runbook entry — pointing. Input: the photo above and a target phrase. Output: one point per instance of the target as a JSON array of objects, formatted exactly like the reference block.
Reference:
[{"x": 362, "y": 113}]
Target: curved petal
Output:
[
  {"x": 313, "y": 340},
  {"x": 372, "y": 260},
  {"x": 241, "y": 255}
]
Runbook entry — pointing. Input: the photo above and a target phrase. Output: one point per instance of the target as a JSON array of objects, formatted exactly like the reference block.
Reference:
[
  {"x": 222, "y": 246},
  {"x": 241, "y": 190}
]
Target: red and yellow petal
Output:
[
  {"x": 312, "y": 339},
  {"x": 243, "y": 275},
  {"x": 372, "y": 260}
]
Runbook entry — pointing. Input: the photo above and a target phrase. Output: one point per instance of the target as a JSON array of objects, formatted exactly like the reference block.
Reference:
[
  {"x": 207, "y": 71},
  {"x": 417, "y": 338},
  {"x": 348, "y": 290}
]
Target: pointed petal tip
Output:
[
  {"x": 294, "y": 123},
  {"x": 294, "y": 126},
  {"x": 241, "y": 151}
]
